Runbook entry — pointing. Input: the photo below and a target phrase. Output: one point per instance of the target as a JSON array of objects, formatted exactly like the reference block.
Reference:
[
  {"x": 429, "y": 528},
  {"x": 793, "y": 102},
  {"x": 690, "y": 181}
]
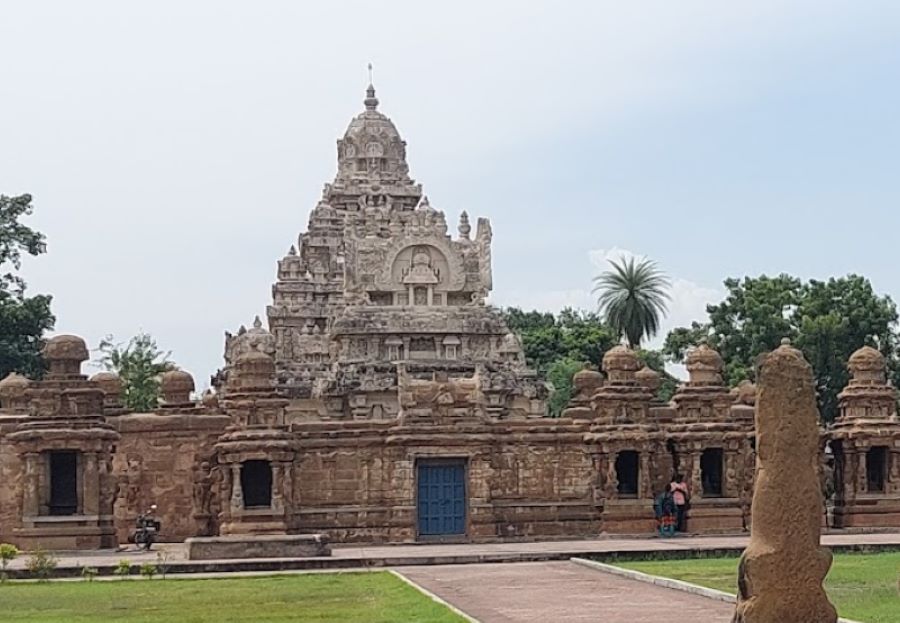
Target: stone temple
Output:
[
  {"x": 387, "y": 402},
  {"x": 377, "y": 288}
]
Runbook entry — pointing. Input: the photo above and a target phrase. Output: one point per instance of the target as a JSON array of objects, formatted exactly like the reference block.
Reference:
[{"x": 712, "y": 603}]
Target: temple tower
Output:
[
  {"x": 376, "y": 282},
  {"x": 711, "y": 445},
  {"x": 66, "y": 449},
  {"x": 865, "y": 441}
]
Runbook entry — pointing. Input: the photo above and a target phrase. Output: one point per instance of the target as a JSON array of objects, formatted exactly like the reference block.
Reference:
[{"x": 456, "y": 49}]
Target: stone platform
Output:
[
  {"x": 607, "y": 549},
  {"x": 240, "y": 547}
]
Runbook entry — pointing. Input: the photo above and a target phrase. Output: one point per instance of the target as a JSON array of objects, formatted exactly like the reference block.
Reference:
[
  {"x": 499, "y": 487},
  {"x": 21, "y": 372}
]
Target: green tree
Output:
[
  {"x": 139, "y": 363},
  {"x": 577, "y": 335},
  {"x": 827, "y": 320},
  {"x": 632, "y": 298},
  {"x": 23, "y": 319},
  {"x": 559, "y": 375},
  {"x": 558, "y": 346}
]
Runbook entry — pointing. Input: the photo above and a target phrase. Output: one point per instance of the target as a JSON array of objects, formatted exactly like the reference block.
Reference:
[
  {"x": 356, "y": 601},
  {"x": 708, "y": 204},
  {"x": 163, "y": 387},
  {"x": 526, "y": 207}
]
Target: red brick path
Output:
[{"x": 561, "y": 592}]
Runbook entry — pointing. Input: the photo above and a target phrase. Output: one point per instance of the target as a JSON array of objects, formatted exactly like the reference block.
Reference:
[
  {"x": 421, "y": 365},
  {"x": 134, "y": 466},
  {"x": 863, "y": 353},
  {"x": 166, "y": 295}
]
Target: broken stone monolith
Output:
[{"x": 781, "y": 571}]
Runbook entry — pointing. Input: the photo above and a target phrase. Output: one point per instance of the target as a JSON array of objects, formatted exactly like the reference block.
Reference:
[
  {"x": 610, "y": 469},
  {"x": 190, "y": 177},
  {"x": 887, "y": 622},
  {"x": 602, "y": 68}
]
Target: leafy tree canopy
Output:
[
  {"x": 827, "y": 320},
  {"x": 23, "y": 320},
  {"x": 633, "y": 297},
  {"x": 558, "y": 346},
  {"x": 139, "y": 364}
]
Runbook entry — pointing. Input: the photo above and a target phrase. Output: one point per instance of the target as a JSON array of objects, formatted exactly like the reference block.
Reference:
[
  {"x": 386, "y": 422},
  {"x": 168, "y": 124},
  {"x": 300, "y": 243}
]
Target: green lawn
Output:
[
  {"x": 862, "y": 586},
  {"x": 376, "y": 597}
]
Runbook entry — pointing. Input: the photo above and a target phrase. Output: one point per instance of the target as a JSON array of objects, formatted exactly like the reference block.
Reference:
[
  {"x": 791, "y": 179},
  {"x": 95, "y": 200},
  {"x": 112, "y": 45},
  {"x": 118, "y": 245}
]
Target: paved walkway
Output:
[
  {"x": 414, "y": 554},
  {"x": 562, "y": 592}
]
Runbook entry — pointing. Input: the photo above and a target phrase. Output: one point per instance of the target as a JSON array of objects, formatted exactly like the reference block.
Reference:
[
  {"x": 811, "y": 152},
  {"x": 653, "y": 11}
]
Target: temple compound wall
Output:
[
  {"x": 445, "y": 468},
  {"x": 386, "y": 401}
]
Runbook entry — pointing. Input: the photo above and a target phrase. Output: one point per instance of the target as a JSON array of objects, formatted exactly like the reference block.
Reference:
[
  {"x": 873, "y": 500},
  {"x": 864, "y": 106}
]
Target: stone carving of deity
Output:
[{"x": 611, "y": 482}]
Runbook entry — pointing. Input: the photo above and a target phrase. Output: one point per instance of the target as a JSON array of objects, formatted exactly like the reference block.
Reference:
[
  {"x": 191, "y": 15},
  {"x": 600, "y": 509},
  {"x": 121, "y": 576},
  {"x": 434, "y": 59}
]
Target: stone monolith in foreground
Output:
[{"x": 781, "y": 571}]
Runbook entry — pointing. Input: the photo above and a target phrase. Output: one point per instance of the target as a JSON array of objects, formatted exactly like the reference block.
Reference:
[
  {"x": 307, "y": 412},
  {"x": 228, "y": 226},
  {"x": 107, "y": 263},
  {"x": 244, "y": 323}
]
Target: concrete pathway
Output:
[
  {"x": 560, "y": 592},
  {"x": 352, "y": 556},
  {"x": 416, "y": 554}
]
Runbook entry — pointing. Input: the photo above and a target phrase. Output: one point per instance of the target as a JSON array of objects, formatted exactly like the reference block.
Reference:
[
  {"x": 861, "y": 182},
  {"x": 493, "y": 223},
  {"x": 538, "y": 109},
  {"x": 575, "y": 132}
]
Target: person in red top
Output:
[{"x": 681, "y": 494}]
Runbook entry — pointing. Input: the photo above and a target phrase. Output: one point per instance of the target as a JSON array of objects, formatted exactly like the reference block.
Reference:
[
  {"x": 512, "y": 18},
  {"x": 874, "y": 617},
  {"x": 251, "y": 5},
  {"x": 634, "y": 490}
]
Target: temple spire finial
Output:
[{"x": 371, "y": 101}]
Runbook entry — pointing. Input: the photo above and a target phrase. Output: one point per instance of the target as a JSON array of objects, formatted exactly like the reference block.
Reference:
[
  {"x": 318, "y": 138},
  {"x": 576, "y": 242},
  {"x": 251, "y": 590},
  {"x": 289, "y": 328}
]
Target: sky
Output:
[{"x": 175, "y": 149}]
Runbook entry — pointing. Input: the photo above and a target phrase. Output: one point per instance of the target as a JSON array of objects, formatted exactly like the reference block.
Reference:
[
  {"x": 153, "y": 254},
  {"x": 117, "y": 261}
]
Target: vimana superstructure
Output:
[
  {"x": 387, "y": 402},
  {"x": 376, "y": 285}
]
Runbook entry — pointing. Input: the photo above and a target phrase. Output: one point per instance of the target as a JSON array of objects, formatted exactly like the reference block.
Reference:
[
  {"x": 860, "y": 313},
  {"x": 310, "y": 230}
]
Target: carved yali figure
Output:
[{"x": 781, "y": 571}]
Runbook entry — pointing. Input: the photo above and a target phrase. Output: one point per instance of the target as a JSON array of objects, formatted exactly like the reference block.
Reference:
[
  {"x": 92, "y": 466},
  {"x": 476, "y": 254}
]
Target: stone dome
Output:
[
  {"x": 66, "y": 348},
  {"x": 12, "y": 389},
  {"x": 704, "y": 365},
  {"x": 13, "y": 381},
  {"x": 744, "y": 393},
  {"x": 255, "y": 361},
  {"x": 109, "y": 382},
  {"x": 176, "y": 386},
  {"x": 867, "y": 365},
  {"x": 620, "y": 358},
  {"x": 372, "y": 145},
  {"x": 705, "y": 356},
  {"x": 253, "y": 370},
  {"x": 585, "y": 382},
  {"x": 649, "y": 378}
]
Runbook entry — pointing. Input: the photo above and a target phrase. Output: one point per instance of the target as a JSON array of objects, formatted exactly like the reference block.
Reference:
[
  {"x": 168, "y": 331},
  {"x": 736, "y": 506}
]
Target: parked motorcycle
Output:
[{"x": 147, "y": 528}]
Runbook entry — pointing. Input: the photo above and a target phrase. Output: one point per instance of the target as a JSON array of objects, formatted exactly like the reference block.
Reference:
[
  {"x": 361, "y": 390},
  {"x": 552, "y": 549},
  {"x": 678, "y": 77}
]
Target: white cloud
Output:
[{"x": 689, "y": 299}]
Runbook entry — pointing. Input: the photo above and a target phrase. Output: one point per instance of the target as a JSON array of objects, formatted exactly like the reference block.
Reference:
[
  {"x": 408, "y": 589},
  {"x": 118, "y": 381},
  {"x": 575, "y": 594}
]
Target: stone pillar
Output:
[
  {"x": 696, "y": 482},
  {"x": 611, "y": 483},
  {"x": 894, "y": 473},
  {"x": 277, "y": 497},
  {"x": 848, "y": 475},
  {"x": 31, "y": 501},
  {"x": 729, "y": 476},
  {"x": 237, "y": 494},
  {"x": 645, "y": 486},
  {"x": 91, "y": 479},
  {"x": 861, "y": 484},
  {"x": 781, "y": 572},
  {"x": 288, "y": 486}
]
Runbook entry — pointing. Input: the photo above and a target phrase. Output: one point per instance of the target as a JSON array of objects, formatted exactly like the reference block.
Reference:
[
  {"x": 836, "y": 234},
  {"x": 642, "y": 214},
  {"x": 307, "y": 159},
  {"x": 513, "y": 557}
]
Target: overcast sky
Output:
[{"x": 175, "y": 149}]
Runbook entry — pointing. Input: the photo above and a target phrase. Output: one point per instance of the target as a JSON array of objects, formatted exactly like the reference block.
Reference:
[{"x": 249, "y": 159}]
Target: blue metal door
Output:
[{"x": 442, "y": 498}]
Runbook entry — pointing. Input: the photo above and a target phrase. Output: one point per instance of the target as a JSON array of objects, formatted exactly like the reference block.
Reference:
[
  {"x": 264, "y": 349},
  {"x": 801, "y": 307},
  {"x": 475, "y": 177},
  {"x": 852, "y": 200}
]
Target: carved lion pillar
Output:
[
  {"x": 645, "y": 487},
  {"x": 611, "y": 482},
  {"x": 696, "y": 480},
  {"x": 31, "y": 502},
  {"x": 861, "y": 485},
  {"x": 894, "y": 473},
  {"x": 729, "y": 482},
  {"x": 237, "y": 494},
  {"x": 277, "y": 488}
]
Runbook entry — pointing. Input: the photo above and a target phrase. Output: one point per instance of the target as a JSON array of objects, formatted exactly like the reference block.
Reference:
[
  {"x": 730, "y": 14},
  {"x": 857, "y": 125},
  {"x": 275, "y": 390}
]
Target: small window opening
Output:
[
  {"x": 711, "y": 472},
  {"x": 63, "y": 483},
  {"x": 876, "y": 469},
  {"x": 627, "y": 470},
  {"x": 256, "y": 484}
]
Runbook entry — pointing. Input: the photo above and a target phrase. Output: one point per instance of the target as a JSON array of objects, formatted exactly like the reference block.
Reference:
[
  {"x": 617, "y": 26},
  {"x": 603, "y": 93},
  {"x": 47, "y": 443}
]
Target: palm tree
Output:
[{"x": 632, "y": 298}]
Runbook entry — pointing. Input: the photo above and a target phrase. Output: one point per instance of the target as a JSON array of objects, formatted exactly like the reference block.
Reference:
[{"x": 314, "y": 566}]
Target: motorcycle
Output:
[{"x": 147, "y": 528}]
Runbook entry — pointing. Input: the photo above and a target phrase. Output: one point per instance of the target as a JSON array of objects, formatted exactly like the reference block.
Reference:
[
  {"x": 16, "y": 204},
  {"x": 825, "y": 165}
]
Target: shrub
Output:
[
  {"x": 89, "y": 573},
  {"x": 123, "y": 569},
  {"x": 162, "y": 563},
  {"x": 8, "y": 553},
  {"x": 41, "y": 564},
  {"x": 148, "y": 570}
]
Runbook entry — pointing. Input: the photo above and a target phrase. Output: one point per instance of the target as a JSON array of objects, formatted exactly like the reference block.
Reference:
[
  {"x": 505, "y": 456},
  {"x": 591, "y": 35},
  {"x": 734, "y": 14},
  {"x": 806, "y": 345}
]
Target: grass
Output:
[
  {"x": 863, "y": 587},
  {"x": 375, "y": 597}
]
